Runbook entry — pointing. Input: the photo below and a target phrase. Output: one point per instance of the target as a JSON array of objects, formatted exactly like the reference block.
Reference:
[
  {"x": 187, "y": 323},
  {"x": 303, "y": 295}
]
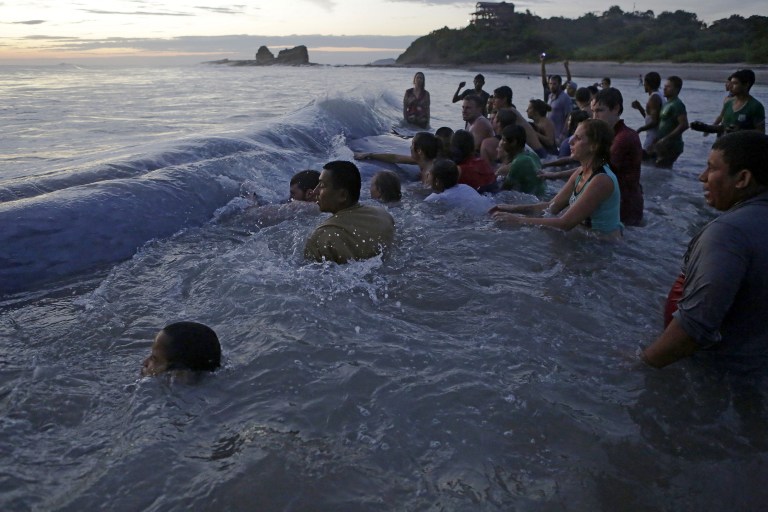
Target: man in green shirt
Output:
[
  {"x": 673, "y": 121},
  {"x": 520, "y": 168}
]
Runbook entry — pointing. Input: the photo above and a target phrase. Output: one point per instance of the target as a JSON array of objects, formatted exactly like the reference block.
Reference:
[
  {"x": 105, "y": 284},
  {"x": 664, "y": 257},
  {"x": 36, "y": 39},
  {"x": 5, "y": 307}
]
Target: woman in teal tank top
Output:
[{"x": 589, "y": 198}]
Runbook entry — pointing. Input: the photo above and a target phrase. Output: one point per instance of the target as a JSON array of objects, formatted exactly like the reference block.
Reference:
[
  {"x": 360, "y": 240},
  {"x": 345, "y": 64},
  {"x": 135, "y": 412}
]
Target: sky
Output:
[{"x": 334, "y": 31}]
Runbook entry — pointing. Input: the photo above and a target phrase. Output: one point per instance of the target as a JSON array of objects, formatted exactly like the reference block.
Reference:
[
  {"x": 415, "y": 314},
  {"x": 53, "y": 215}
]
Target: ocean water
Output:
[{"x": 473, "y": 368}]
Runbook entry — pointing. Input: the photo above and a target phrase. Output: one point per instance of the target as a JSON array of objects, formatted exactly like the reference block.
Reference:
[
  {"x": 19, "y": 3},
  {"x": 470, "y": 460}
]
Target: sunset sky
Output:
[{"x": 335, "y": 31}]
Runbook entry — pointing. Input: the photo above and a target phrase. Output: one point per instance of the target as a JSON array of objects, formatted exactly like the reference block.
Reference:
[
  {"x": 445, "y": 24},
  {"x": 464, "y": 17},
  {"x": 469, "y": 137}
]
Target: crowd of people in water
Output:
[{"x": 715, "y": 307}]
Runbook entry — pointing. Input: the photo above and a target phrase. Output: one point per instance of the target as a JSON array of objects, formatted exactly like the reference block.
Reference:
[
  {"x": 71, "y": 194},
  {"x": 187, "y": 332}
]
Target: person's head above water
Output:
[
  {"x": 385, "y": 187},
  {"x": 339, "y": 186},
  {"x": 183, "y": 346},
  {"x": 303, "y": 184}
]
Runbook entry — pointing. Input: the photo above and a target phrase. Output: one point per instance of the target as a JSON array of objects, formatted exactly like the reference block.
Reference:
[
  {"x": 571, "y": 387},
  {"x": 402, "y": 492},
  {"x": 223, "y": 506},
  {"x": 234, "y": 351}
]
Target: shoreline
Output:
[{"x": 596, "y": 69}]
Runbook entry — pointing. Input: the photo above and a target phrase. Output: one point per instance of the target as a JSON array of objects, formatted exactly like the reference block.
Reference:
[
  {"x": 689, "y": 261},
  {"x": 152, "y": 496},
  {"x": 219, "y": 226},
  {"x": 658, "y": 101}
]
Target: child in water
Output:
[{"x": 187, "y": 346}]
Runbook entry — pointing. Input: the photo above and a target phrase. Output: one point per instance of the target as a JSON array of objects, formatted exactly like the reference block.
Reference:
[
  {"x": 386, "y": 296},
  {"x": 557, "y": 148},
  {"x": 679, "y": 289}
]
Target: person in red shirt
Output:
[
  {"x": 474, "y": 170},
  {"x": 626, "y": 154}
]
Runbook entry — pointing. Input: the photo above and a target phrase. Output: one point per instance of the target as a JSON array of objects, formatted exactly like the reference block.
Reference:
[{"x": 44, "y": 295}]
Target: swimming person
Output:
[
  {"x": 424, "y": 149},
  {"x": 416, "y": 103},
  {"x": 717, "y": 305},
  {"x": 520, "y": 168},
  {"x": 189, "y": 346},
  {"x": 302, "y": 185},
  {"x": 354, "y": 231},
  {"x": 385, "y": 187},
  {"x": 590, "y": 197},
  {"x": 448, "y": 190}
]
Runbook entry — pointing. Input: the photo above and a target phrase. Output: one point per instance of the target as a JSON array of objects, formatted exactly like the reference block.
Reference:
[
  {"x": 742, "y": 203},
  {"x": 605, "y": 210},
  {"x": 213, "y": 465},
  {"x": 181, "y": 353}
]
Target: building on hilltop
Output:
[{"x": 493, "y": 14}]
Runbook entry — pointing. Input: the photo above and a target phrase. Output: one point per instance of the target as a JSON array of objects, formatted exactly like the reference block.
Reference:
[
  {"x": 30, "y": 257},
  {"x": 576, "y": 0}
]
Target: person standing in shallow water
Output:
[
  {"x": 716, "y": 306},
  {"x": 416, "y": 102},
  {"x": 354, "y": 231}
]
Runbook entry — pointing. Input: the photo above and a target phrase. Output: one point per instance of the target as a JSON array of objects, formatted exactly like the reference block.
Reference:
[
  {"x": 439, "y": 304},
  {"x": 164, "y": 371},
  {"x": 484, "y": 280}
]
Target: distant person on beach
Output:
[
  {"x": 717, "y": 305},
  {"x": 474, "y": 120},
  {"x": 448, "y": 190},
  {"x": 652, "y": 112},
  {"x": 425, "y": 147},
  {"x": 478, "y": 91},
  {"x": 354, "y": 231},
  {"x": 474, "y": 170},
  {"x": 385, "y": 187},
  {"x": 544, "y": 126},
  {"x": 741, "y": 111},
  {"x": 183, "y": 346},
  {"x": 302, "y": 185},
  {"x": 590, "y": 197},
  {"x": 673, "y": 121},
  {"x": 519, "y": 168},
  {"x": 626, "y": 154},
  {"x": 416, "y": 103}
]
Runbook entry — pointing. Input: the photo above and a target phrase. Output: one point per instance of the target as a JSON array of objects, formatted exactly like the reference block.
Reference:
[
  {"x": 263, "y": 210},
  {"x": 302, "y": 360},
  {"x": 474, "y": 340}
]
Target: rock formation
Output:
[
  {"x": 293, "y": 56},
  {"x": 264, "y": 56}
]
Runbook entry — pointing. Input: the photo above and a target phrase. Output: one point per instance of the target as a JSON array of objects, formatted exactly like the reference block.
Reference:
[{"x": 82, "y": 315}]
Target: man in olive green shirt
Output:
[{"x": 354, "y": 231}]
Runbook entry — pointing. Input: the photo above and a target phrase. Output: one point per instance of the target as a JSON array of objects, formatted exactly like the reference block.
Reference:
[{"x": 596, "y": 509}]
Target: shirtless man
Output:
[
  {"x": 651, "y": 84},
  {"x": 476, "y": 124}
]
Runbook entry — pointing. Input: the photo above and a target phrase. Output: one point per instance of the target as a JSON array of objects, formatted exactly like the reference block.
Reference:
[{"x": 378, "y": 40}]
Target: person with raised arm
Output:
[{"x": 478, "y": 91}]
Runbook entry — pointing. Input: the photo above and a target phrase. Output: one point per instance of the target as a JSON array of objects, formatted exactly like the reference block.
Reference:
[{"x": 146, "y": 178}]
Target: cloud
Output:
[
  {"x": 28, "y": 22},
  {"x": 328, "y": 5},
  {"x": 235, "y": 46},
  {"x": 235, "y": 9},
  {"x": 137, "y": 13}
]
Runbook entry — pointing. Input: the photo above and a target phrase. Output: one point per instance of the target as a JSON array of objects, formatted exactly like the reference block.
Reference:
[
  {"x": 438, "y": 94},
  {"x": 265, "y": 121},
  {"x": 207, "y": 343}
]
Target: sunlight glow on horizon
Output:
[{"x": 47, "y": 29}]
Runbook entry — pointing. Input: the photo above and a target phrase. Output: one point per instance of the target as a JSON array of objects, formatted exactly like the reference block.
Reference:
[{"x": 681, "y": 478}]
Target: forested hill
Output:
[{"x": 612, "y": 36}]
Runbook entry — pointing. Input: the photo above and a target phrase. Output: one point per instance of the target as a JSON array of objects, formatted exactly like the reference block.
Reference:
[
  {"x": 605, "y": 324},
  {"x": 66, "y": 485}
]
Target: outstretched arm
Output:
[
  {"x": 567, "y": 70},
  {"x": 386, "y": 157},
  {"x": 456, "y": 96}
]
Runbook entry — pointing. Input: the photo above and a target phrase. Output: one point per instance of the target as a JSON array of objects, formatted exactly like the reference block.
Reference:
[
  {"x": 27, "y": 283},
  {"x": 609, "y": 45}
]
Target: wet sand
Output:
[{"x": 591, "y": 69}]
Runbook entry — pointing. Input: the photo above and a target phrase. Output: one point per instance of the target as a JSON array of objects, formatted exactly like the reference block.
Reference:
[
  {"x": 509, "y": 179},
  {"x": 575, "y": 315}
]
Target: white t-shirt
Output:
[{"x": 464, "y": 197}]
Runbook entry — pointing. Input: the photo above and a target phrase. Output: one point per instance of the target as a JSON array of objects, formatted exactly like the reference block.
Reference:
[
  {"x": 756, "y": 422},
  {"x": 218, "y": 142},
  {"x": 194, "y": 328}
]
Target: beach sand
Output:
[{"x": 589, "y": 69}]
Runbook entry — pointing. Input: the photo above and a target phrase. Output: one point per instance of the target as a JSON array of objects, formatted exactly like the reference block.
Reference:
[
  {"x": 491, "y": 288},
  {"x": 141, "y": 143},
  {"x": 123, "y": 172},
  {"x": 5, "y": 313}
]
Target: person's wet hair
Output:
[
  {"x": 676, "y": 81},
  {"x": 599, "y": 135},
  {"x": 428, "y": 144},
  {"x": 306, "y": 180},
  {"x": 345, "y": 175},
  {"x": 575, "y": 118},
  {"x": 745, "y": 149},
  {"x": 540, "y": 106},
  {"x": 474, "y": 98},
  {"x": 506, "y": 117},
  {"x": 388, "y": 184},
  {"x": 582, "y": 95},
  {"x": 504, "y": 92},
  {"x": 515, "y": 135},
  {"x": 653, "y": 79},
  {"x": 611, "y": 98},
  {"x": 446, "y": 171},
  {"x": 745, "y": 76},
  {"x": 462, "y": 146},
  {"x": 192, "y": 346}
]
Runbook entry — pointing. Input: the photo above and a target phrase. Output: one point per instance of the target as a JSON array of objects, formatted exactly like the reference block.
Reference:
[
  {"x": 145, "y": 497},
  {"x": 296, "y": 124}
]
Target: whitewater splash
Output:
[{"x": 67, "y": 222}]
